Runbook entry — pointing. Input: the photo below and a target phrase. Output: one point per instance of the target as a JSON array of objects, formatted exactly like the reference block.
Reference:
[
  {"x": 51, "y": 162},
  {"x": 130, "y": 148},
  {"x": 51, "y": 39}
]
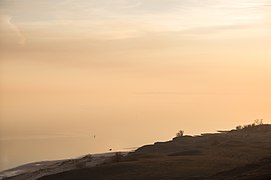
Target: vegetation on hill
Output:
[{"x": 257, "y": 122}]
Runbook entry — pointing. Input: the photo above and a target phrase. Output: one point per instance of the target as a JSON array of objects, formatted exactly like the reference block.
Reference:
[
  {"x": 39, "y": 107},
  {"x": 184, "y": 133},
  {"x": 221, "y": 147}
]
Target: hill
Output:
[{"x": 237, "y": 154}]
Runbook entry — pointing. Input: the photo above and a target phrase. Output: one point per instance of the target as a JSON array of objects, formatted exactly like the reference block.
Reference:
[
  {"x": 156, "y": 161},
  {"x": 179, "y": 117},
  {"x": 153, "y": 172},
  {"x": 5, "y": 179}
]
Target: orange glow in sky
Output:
[{"x": 131, "y": 71}]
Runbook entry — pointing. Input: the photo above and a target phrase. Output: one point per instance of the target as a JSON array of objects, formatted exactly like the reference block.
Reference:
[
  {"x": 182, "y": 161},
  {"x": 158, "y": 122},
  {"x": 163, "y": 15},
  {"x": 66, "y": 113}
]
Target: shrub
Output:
[
  {"x": 180, "y": 133},
  {"x": 257, "y": 122}
]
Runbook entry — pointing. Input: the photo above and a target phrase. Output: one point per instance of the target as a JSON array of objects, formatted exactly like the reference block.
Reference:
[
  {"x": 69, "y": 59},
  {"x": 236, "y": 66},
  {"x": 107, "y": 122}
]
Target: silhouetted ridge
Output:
[{"x": 243, "y": 153}]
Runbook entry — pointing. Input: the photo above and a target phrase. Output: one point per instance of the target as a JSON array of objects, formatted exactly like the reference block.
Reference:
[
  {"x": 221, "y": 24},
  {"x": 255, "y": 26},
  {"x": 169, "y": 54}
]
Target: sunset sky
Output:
[{"x": 131, "y": 71}]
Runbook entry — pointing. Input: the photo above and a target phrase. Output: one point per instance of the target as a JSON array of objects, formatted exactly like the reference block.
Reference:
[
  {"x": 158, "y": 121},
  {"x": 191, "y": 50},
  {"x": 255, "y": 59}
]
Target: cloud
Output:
[
  {"x": 73, "y": 20},
  {"x": 10, "y": 31},
  {"x": 131, "y": 6}
]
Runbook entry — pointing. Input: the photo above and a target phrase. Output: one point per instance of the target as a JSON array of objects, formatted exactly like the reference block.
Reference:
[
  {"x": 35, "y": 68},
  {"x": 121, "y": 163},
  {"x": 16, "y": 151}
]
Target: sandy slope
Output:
[{"x": 36, "y": 170}]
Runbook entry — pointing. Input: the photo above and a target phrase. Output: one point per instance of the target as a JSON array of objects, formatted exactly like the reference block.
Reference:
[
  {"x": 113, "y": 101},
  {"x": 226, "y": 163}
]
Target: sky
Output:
[{"x": 131, "y": 71}]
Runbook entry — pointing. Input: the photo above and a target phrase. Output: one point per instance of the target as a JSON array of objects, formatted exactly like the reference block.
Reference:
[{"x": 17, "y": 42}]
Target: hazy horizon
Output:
[{"x": 130, "y": 72}]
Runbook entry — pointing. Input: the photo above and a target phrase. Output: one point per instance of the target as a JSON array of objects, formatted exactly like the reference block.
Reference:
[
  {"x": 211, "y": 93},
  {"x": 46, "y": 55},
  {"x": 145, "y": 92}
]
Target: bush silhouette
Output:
[{"x": 180, "y": 133}]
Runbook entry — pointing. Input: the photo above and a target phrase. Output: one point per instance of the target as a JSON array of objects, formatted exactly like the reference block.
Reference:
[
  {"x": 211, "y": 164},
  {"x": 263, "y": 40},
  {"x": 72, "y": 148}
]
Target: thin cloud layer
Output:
[
  {"x": 121, "y": 19},
  {"x": 10, "y": 32}
]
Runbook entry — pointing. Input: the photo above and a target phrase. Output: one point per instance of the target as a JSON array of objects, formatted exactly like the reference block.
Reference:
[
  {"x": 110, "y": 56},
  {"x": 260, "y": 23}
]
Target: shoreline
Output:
[{"x": 35, "y": 170}]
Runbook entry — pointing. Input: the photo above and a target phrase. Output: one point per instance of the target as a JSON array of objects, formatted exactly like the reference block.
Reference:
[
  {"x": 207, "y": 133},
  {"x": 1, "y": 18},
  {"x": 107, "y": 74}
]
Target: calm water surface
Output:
[{"x": 18, "y": 152}]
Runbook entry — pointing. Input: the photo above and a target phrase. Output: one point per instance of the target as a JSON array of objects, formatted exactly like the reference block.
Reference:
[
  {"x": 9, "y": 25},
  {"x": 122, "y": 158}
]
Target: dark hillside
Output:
[{"x": 236, "y": 154}]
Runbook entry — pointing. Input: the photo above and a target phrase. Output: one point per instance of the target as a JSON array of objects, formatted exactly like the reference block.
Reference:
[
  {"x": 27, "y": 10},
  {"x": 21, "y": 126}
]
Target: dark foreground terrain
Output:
[{"x": 236, "y": 154}]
